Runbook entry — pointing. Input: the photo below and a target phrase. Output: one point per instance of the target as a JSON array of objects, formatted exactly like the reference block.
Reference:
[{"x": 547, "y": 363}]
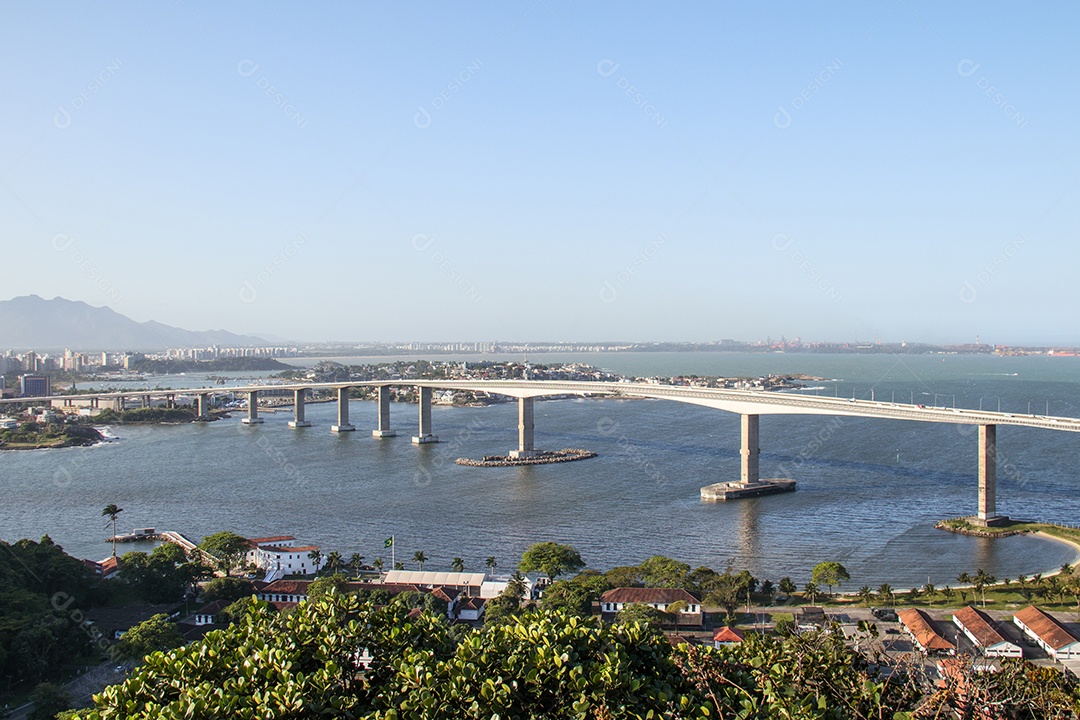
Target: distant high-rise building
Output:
[
  {"x": 30, "y": 362},
  {"x": 34, "y": 386}
]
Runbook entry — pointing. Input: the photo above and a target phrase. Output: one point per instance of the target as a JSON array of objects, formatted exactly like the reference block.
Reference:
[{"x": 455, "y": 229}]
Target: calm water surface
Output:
[{"x": 869, "y": 490}]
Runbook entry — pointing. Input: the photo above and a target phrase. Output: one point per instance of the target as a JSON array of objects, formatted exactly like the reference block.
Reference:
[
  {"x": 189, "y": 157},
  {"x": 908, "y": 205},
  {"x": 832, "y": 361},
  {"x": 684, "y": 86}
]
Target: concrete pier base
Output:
[
  {"x": 424, "y": 439},
  {"x": 738, "y": 489},
  {"x": 299, "y": 423},
  {"x": 526, "y": 431},
  {"x": 383, "y": 433},
  {"x": 343, "y": 424},
  {"x": 253, "y": 409},
  {"x": 251, "y": 421},
  {"x": 342, "y": 428}
]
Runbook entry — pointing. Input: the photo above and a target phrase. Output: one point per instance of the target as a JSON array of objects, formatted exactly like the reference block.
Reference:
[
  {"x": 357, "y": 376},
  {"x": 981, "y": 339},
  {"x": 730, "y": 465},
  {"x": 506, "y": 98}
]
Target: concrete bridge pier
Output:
[
  {"x": 750, "y": 452},
  {"x": 253, "y": 409},
  {"x": 384, "y": 430},
  {"x": 203, "y": 405},
  {"x": 342, "y": 412},
  {"x": 298, "y": 420},
  {"x": 118, "y": 404},
  {"x": 170, "y": 401},
  {"x": 750, "y": 482},
  {"x": 424, "y": 435},
  {"x": 146, "y": 401},
  {"x": 987, "y": 511},
  {"x": 526, "y": 430}
]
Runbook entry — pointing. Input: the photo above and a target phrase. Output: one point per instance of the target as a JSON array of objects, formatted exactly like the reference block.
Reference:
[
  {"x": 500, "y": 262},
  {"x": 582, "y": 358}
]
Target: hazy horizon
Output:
[{"x": 853, "y": 172}]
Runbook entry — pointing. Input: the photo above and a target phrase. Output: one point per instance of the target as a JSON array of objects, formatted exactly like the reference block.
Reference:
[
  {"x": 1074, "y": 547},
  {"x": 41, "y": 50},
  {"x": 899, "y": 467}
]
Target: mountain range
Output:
[{"x": 33, "y": 323}]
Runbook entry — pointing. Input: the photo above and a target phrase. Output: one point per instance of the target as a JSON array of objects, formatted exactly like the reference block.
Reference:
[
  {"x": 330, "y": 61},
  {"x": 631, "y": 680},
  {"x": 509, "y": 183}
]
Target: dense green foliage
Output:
[
  {"x": 229, "y": 589},
  {"x": 227, "y": 548},
  {"x": 43, "y": 595},
  {"x": 163, "y": 575},
  {"x": 151, "y": 635},
  {"x": 147, "y": 415},
  {"x": 29, "y": 435},
  {"x": 551, "y": 559},
  {"x": 312, "y": 663}
]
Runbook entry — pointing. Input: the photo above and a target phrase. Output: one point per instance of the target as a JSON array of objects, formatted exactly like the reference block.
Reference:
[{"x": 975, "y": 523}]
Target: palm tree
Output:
[
  {"x": 419, "y": 558},
  {"x": 111, "y": 511},
  {"x": 333, "y": 561},
  {"x": 786, "y": 586},
  {"x": 490, "y": 565},
  {"x": 885, "y": 592},
  {"x": 377, "y": 563},
  {"x": 980, "y": 581},
  {"x": 865, "y": 594},
  {"x": 768, "y": 590},
  {"x": 929, "y": 590},
  {"x": 516, "y": 587},
  {"x": 316, "y": 558},
  {"x": 964, "y": 578},
  {"x": 948, "y": 593},
  {"x": 356, "y": 561},
  {"x": 457, "y": 565},
  {"x": 811, "y": 590},
  {"x": 399, "y": 565}
]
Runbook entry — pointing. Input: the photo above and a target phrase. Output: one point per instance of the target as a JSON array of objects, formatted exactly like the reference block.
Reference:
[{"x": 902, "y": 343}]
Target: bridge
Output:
[{"x": 749, "y": 404}]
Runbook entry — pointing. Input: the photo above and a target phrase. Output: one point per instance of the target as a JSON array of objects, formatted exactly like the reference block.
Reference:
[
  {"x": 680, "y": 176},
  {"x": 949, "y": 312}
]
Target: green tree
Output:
[
  {"x": 226, "y": 548},
  {"x": 979, "y": 582},
  {"x": 229, "y": 589},
  {"x": 457, "y": 565},
  {"x": 865, "y": 595},
  {"x": 625, "y": 576},
  {"x": 49, "y": 699},
  {"x": 490, "y": 564},
  {"x": 885, "y": 592},
  {"x": 333, "y": 561},
  {"x": 151, "y": 635},
  {"x": 377, "y": 563},
  {"x": 641, "y": 613},
  {"x": 111, "y": 511},
  {"x": 419, "y": 558},
  {"x": 551, "y": 559},
  {"x": 810, "y": 591},
  {"x": 356, "y": 561},
  {"x": 830, "y": 573},
  {"x": 316, "y": 558},
  {"x": 337, "y": 583},
  {"x": 787, "y": 586},
  {"x": 663, "y": 572}
]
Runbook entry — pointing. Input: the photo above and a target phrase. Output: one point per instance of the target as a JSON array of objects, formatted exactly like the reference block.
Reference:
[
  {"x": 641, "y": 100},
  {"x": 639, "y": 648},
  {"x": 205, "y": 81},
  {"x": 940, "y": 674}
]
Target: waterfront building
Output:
[
  {"x": 279, "y": 555},
  {"x": 924, "y": 634},
  {"x": 469, "y": 584},
  {"x": 1048, "y": 633},
  {"x": 982, "y": 632},
  {"x": 616, "y": 599}
]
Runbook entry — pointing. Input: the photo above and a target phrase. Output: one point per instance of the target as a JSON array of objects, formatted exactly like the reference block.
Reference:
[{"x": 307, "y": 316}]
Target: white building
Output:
[
  {"x": 1048, "y": 633},
  {"x": 980, "y": 630},
  {"x": 280, "y": 555}
]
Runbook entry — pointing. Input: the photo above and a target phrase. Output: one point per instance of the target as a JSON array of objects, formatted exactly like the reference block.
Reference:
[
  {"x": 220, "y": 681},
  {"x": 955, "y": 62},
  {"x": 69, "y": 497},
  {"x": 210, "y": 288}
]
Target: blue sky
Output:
[{"x": 547, "y": 170}]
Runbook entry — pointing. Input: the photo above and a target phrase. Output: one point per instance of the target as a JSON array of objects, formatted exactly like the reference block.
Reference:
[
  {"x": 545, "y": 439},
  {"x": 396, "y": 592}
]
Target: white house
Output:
[
  {"x": 1048, "y": 633},
  {"x": 281, "y": 556},
  {"x": 980, "y": 630},
  {"x": 615, "y": 600},
  {"x": 471, "y": 608}
]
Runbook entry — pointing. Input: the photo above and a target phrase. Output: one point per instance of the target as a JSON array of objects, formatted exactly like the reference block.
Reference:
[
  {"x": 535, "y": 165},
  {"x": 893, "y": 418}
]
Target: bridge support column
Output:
[
  {"x": 93, "y": 402},
  {"x": 342, "y": 412},
  {"x": 749, "y": 451},
  {"x": 253, "y": 409},
  {"x": 424, "y": 435},
  {"x": 526, "y": 429},
  {"x": 146, "y": 401},
  {"x": 170, "y": 401},
  {"x": 384, "y": 414},
  {"x": 987, "y": 512},
  {"x": 203, "y": 405},
  {"x": 118, "y": 404},
  {"x": 298, "y": 420}
]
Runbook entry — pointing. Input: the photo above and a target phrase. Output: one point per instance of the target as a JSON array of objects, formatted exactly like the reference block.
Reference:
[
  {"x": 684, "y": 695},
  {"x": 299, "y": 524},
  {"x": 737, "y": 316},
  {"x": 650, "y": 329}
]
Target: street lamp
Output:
[{"x": 996, "y": 397}]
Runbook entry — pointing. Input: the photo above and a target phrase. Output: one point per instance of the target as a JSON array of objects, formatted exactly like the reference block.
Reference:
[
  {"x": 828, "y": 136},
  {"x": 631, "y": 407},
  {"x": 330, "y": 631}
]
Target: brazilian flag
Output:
[{"x": 389, "y": 542}]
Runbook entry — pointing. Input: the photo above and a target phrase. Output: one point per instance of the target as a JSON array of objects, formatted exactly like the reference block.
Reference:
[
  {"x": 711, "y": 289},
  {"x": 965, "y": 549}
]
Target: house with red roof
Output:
[
  {"x": 689, "y": 613},
  {"x": 1048, "y": 633},
  {"x": 727, "y": 636},
  {"x": 981, "y": 630},
  {"x": 924, "y": 633}
]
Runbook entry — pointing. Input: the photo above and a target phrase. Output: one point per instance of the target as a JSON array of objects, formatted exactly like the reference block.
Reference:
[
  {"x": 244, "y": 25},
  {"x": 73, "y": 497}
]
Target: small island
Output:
[{"x": 35, "y": 436}]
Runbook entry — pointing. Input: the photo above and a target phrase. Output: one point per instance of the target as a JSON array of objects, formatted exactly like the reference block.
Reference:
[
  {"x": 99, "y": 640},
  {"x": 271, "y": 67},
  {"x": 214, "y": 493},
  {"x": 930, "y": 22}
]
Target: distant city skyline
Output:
[{"x": 545, "y": 170}]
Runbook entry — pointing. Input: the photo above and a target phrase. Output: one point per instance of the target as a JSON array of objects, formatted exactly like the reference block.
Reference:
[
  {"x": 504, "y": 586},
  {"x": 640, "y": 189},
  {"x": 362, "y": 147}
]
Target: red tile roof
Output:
[
  {"x": 1049, "y": 630},
  {"x": 728, "y": 634},
  {"x": 274, "y": 539},
  {"x": 918, "y": 624},
  {"x": 980, "y": 625},
  {"x": 287, "y": 587},
  {"x": 648, "y": 596}
]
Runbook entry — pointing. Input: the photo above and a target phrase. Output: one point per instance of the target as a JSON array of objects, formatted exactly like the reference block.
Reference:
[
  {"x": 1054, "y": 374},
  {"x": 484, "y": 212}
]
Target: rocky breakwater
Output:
[{"x": 540, "y": 458}]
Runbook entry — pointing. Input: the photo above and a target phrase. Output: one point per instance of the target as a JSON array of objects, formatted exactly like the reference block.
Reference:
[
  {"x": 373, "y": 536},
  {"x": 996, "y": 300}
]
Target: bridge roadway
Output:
[
  {"x": 750, "y": 404},
  {"x": 757, "y": 402}
]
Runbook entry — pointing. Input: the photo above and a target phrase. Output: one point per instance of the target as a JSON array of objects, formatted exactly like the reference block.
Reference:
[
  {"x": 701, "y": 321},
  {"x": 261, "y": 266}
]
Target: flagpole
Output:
[{"x": 393, "y": 549}]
